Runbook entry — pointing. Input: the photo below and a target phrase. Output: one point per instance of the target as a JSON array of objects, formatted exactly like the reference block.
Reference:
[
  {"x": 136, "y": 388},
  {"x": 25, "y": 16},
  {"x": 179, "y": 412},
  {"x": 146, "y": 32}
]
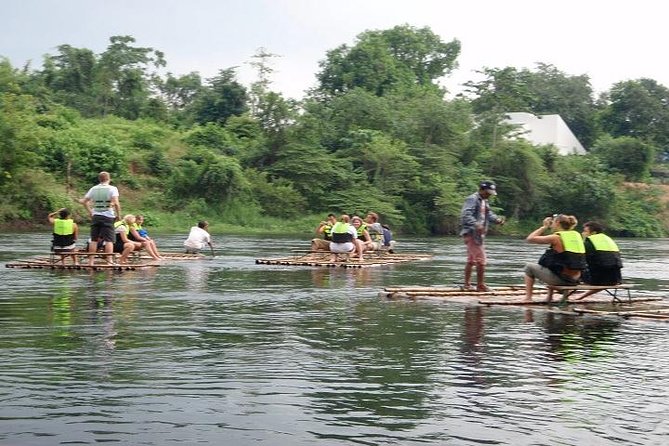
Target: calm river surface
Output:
[{"x": 227, "y": 352}]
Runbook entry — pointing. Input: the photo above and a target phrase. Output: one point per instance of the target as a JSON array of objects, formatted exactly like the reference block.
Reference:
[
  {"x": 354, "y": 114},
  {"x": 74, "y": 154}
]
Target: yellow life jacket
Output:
[
  {"x": 125, "y": 225},
  {"x": 602, "y": 242},
  {"x": 63, "y": 226},
  {"x": 572, "y": 241}
]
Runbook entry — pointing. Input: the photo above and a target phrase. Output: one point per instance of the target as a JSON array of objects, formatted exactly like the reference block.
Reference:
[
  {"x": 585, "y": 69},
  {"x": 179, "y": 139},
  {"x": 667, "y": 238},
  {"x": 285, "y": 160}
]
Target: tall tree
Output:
[
  {"x": 222, "y": 97},
  {"x": 179, "y": 92},
  {"x": 629, "y": 156},
  {"x": 124, "y": 80},
  {"x": 638, "y": 109},
  {"x": 383, "y": 60}
]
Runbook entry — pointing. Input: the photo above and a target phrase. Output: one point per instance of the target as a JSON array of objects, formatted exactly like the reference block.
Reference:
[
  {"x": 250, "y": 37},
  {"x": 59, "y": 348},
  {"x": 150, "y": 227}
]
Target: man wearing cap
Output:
[{"x": 475, "y": 217}]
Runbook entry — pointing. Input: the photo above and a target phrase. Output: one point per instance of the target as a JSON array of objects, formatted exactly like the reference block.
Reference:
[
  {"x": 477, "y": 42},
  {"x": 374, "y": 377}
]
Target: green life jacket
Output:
[
  {"x": 361, "y": 231},
  {"x": 101, "y": 197},
  {"x": 340, "y": 233},
  {"x": 63, "y": 232},
  {"x": 602, "y": 242},
  {"x": 63, "y": 227},
  {"x": 572, "y": 241},
  {"x": 126, "y": 226},
  {"x": 573, "y": 256},
  {"x": 602, "y": 252},
  {"x": 327, "y": 231}
]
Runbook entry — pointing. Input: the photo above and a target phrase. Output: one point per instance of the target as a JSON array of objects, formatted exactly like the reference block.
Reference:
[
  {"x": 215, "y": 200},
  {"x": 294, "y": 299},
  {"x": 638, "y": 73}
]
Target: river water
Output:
[{"x": 224, "y": 351}]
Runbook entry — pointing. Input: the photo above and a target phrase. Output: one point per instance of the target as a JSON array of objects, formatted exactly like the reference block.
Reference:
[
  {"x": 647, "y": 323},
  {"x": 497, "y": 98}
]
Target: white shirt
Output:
[
  {"x": 345, "y": 247},
  {"x": 112, "y": 192},
  {"x": 198, "y": 238}
]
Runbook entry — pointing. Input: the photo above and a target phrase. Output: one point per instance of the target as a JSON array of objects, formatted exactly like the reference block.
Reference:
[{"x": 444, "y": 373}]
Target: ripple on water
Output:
[{"x": 226, "y": 350}]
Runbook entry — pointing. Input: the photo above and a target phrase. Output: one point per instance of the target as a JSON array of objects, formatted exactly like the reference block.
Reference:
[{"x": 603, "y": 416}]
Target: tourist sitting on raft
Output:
[
  {"x": 602, "y": 256},
  {"x": 362, "y": 235},
  {"x": 382, "y": 237},
  {"x": 344, "y": 239},
  {"x": 563, "y": 262},
  {"x": 65, "y": 233},
  {"x": 324, "y": 229},
  {"x": 123, "y": 244},
  {"x": 141, "y": 235}
]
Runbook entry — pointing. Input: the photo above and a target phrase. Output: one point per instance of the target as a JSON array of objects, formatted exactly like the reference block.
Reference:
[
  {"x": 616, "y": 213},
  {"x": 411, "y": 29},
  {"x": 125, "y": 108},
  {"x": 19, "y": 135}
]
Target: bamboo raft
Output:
[
  {"x": 63, "y": 262},
  {"x": 173, "y": 256},
  {"x": 502, "y": 295},
  {"x": 323, "y": 259}
]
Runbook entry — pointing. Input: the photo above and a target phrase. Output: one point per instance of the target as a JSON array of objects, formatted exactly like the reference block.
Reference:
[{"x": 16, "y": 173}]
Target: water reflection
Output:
[
  {"x": 225, "y": 350},
  {"x": 574, "y": 338},
  {"x": 384, "y": 365}
]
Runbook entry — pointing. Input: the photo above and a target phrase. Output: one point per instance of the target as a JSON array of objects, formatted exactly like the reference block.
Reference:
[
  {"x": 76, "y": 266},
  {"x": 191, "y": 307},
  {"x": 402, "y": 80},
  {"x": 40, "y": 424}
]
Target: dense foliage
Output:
[{"x": 377, "y": 133}]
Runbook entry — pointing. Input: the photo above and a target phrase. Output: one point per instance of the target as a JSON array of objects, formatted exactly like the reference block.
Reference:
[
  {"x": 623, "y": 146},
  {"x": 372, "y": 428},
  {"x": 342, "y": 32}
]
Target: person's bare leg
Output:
[
  {"x": 468, "y": 275},
  {"x": 149, "y": 248},
  {"x": 109, "y": 249},
  {"x": 128, "y": 248},
  {"x": 155, "y": 249},
  {"x": 480, "y": 278},
  {"x": 359, "y": 248},
  {"x": 529, "y": 287},
  {"x": 92, "y": 248}
]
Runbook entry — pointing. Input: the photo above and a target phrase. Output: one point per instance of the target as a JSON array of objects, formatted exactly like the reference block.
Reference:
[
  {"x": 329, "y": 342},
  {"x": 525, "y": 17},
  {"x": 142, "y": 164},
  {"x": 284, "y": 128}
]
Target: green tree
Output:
[
  {"x": 124, "y": 78},
  {"x": 638, "y": 109},
  {"x": 221, "y": 98},
  {"x": 385, "y": 161},
  {"x": 519, "y": 171},
  {"x": 70, "y": 74},
  {"x": 204, "y": 174},
  {"x": 580, "y": 186},
  {"x": 383, "y": 60},
  {"x": 629, "y": 156},
  {"x": 180, "y": 92}
]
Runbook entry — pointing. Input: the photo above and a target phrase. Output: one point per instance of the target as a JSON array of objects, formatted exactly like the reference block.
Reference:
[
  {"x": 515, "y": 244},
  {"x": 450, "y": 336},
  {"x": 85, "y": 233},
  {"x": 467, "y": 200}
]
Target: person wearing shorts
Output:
[
  {"x": 475, "y": 217},
  {"x": 102, "y": 203}
]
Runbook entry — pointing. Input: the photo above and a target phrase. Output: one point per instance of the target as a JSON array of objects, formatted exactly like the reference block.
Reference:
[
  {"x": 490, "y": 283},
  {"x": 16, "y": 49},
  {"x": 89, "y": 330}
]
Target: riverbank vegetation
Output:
[{"x": 377, "y": 132}]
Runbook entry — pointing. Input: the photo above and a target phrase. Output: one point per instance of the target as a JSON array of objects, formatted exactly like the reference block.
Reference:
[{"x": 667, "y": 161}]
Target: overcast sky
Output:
[{"x": 610, "y": 41}]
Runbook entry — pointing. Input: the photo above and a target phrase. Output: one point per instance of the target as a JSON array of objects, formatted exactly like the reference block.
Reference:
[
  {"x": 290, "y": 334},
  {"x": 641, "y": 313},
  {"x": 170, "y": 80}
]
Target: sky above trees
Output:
[{"x": 609, "y": 42}]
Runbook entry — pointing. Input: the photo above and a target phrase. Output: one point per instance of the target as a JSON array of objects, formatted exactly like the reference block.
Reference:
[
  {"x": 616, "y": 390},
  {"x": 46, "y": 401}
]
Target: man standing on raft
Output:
[
  {"x": 102, "y": 204},
  {"x": 475, "y": 217}
]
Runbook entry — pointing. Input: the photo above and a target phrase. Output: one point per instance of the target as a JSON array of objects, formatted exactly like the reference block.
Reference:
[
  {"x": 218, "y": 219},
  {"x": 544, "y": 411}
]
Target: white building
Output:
[{"x": 546, "y": 129}]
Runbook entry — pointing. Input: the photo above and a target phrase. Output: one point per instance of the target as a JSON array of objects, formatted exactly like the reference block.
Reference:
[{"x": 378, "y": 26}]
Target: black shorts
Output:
[
  {"x": 102, "y": 228},
  {"x": 118, "y": 246}
]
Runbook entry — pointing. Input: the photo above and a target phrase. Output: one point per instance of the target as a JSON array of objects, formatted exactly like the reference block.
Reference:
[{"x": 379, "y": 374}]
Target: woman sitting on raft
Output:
[{"x": 563, "y": 261}]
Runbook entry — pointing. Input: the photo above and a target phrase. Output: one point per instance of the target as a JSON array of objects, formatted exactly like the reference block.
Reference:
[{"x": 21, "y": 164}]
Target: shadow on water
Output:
[{"x": 224, "y": 350}]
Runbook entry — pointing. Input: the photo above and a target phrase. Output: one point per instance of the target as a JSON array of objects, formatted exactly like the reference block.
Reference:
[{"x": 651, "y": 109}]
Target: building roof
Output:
[{"x": 547, "y": 129}]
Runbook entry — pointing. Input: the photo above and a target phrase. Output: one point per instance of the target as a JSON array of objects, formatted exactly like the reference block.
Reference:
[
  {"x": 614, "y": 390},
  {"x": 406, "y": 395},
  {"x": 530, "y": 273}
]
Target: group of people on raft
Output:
[
  {"x": 352, "y": 235},
  {"x": 129, "y": 236},
  {"x": 110, "y": 233},
  {"x": 590, "y": 257}
]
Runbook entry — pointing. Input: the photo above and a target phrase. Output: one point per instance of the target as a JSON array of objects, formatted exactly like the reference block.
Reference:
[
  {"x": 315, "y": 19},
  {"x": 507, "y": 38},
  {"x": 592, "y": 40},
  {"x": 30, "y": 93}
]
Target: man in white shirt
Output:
[
  {"x": 198, "y": 238},
  {"x": 101, "y": 202}
]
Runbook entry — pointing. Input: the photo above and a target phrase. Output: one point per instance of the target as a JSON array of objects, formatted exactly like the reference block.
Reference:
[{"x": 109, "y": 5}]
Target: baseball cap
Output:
[{"x": 489, "y": 185}]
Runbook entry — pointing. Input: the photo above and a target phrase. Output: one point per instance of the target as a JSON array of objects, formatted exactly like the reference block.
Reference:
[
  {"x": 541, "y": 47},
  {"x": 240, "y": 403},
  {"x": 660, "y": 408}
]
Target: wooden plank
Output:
[
  {"x": 503, "y": 295},
  {"x": 323, "y": 259},
  {"x": 584, "y": 287},
  {"x": 453, "y": 290}
]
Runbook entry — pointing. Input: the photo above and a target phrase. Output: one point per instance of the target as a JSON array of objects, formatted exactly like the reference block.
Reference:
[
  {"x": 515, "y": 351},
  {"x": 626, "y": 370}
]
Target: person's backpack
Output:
[{"x": 387, "y": 235}]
